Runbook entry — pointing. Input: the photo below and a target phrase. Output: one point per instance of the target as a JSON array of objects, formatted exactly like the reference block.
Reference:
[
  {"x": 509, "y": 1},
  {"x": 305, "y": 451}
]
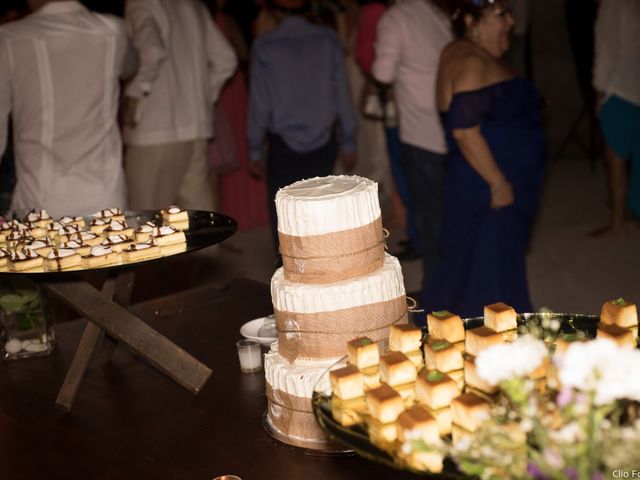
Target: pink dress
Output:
[{"x": 241, "y": 196}]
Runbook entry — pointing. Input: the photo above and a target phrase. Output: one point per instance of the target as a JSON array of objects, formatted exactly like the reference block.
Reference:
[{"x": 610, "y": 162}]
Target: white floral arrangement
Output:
[{"x": 581, "y": 423}]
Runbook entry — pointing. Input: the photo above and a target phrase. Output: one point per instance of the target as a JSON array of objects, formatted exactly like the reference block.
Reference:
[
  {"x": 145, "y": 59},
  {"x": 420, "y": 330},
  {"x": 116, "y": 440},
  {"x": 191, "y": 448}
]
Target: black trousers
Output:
[{"x": 284, "y": 166}]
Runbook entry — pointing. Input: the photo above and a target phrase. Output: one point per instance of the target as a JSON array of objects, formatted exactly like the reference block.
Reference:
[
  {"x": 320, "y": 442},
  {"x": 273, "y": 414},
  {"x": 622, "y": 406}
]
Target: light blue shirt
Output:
[{"x": 299, "y": 88}]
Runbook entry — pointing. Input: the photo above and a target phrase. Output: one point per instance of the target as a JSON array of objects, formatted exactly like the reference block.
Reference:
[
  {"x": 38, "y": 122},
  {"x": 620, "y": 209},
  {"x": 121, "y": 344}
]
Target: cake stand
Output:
[{"x": 102, "y": 296}]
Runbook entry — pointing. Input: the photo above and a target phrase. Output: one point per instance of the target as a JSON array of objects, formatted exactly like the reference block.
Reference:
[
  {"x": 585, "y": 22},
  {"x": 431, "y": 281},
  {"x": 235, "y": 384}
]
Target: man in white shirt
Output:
[
  {"x": 184, "y": 62},
  {"x": 59, "y": 77},
  {"x": 409, "y": 40}
]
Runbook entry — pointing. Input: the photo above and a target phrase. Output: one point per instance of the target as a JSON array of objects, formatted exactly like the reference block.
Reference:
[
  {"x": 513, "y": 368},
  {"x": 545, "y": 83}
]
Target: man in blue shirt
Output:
[{"x": 298, "y": 90}]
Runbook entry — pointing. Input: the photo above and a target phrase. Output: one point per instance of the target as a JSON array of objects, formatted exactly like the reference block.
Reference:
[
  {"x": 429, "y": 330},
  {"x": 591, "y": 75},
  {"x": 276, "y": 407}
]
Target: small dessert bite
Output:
[
  {"x": 396, "y": 369},
  {"x": 18, "y": 236},
  {"x": 42, "y": 246},
  {"x": 175, "y": 216},
  {"x": 117, "y": 242},
  {"x": 348, "y": 412},
  {"x": 384, "y": 403},
  {"x": 619, "y": 312},
  {"x": 500, "y": 317},
  {"x": 59, "y": 259},
  {"x": 40, "y": 218},
  {"x": 137, "y": 252},
  {"x": 22, "y": 260},
  {"x": 143, "y": 232},
  {"x": 371, "y": 377},
  {"x": 416, "y": 358},
  {"x": 381, "y": 433},
  {"x": 443, "y": 419},
  {"x": 408, "y": 392},
  {"x": 404, "y": 338},
  {"x": 169, "y": 240},
  {"x": 77, "y": 245},
  {"x": 118, "y": 228},
  {"x": 98, "y": 225},
  {"x": 473, "y": 380},
  {"x": 621, "y": 335},
  {"x": 66, "y": 220},
  {"x": 347, "y": 383},
  {"x": 436, "y": 389},
  {"x": 446, "y": 326},
  {"x": 417, "y": 424},
  {"x": 100, "y": 256},
  {"x": 4, "y": 259},
  {"x": 469, "y": 411},
  {"x": 458, "y": 377},
  {"x": 109, "y": 214},
  {"x": 87, "y": 238},
  {"x": 35, "y": 230},
  {"x": 442, "y": 355},
  {"x": 53, "y": 229},
  {"x": 363, "y": 353},
  {"x": 67, "y": 232},
  {"x": 480, "y": 338}
]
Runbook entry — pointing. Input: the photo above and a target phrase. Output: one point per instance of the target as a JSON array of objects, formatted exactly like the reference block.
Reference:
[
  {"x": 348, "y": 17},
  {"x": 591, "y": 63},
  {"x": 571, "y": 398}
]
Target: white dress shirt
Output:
[
  {"x": 184, "y": 62},
  {"x": 59, "y": 77},
  {"x": 616, "y": 69},
  {"x": 409, "y": 40}
]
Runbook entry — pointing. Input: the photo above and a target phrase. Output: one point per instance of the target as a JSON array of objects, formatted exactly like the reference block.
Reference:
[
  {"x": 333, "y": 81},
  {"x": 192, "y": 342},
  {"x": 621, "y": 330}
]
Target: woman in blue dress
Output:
[{"x": 494, "y": 167}]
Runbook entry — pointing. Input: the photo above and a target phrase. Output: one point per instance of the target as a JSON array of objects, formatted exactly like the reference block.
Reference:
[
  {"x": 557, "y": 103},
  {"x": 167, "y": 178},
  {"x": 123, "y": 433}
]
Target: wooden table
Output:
[{"x": 132, "y": 423}]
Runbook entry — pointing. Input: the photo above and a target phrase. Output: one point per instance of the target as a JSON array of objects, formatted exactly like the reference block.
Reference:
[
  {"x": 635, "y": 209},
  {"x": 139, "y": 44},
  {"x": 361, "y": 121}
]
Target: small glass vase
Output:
[{"x": 26, "y": 332}]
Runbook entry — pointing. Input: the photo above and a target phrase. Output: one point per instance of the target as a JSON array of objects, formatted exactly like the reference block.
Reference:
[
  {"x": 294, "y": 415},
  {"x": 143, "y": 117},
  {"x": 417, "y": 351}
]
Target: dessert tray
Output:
[
  {"x": 356, "y": 437},
  {"x": 203, "y": 229}
]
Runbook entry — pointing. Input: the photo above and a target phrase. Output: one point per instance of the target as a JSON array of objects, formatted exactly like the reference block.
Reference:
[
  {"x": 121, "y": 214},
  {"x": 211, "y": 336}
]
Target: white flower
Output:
[
  {"x": 601, "y": 366},
  {"x": 511, "y": 360}
]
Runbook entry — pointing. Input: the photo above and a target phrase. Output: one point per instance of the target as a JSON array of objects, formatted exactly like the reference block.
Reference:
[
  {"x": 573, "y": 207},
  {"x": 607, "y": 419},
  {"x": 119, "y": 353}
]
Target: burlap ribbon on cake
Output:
[
  {"x": 325, "y": 334},
  {"x": 333, "y": 257},
  {"x": 293, "y": 416}
]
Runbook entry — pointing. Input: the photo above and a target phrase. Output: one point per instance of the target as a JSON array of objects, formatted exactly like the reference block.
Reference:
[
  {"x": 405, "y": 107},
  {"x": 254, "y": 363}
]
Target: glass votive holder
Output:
[{"x": 250, "y": 356}]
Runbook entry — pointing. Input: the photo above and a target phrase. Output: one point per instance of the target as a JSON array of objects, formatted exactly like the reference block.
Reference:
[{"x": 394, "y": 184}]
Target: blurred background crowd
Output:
[{"x": 217, "y": 104}]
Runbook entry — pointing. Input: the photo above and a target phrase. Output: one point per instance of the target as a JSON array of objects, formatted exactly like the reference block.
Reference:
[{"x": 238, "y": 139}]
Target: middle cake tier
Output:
[{"x": 317, "y": 321}]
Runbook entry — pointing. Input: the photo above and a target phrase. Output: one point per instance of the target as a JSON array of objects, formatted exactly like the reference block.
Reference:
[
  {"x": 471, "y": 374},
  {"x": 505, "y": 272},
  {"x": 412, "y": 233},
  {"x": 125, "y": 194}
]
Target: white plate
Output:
[{"x": 250, "y": 330}]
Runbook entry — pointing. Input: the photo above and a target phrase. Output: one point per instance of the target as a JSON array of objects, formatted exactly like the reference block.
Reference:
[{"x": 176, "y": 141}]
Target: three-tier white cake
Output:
[{"x": 336, "y": 284}]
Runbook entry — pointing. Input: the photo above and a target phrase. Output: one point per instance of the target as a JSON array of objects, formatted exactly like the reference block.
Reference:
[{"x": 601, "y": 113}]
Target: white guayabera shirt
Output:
[
  {"x": 60, "y": 69},
  {"x": 184, "y": 62}
]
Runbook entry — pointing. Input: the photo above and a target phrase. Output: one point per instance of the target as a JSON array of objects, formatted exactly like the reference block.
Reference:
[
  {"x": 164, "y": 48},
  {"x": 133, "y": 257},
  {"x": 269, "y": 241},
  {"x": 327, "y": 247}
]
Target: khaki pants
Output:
[{"x": 169, "y": 174}]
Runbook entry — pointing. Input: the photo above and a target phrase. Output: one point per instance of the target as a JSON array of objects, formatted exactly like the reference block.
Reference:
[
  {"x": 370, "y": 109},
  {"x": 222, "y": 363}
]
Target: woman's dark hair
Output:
[{"x": 459, "y": 9}]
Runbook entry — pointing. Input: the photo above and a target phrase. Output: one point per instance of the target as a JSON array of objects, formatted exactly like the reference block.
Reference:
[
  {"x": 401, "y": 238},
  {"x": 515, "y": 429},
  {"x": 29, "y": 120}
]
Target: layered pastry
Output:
[
  {"x": 98, "y": 225},
  {"x": 330, "y": 229},
  {"x": 66, "y": 220},
  {"x": 42, "y": 246},
  {"x": 397, "y": 369},
  {"x": 5, "y": 255},
  {"x": 621, "y": 335},
  {"x": 619, "y": 312},
  {"x": 117, "y": 243},
  {"x": 118, "y": 228},
  {"x": 100, "y": 256},
  {"x": 22, "y": 260},
  {"x": 384, "y": 403},
  {"x": 363, "y": 352},
  {"x": 59, "y": 259},
  {"x": 53, "y": 229},
  {"x": 143, "y": 232},
  {"x": 67, "y": 232},
  {"x": 77, "y": 245},
  {"x": 348, "y": 412},
  {"x": 137, "y": 252},
  {"x": 305, "y": 312},
  {"x": 347, "y": 383},
  {"x": 469, "y": 410},
  {"x": 436, "y": 389},
  {"x": 479, "y": 338},
  {"x": 36, "y": 230},
  {"x": 169, "y": 239},
  {"x": 176, "y": 217},
  {"x": 380, "y": 433},
  {"x": 404, "y": 338},
  {"x": 473, "y": 380},
  {"x": 416, "y": 358},
  {"x": 442, "y": 355},
  {"x": 16, "y": 237},
  {"x": 87, "y": 238},
  {"x": 109, "y": 214},
  {"x": 446, "y": 326},
  {"x": 40, "y": 218},
  {"x": 417, "y": 424},
  {"x": 500, "y": 317}
]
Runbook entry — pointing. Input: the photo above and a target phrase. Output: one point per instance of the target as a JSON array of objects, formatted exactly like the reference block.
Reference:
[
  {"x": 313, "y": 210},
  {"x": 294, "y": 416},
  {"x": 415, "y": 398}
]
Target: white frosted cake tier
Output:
[
  {"x": 382, "y": 285},
  {"x": 327, "y": 204},
  {"x": 297, "y": 378}
]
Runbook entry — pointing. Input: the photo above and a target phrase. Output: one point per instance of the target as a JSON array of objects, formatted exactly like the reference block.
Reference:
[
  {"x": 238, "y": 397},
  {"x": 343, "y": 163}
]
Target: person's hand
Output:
[
  {"x": 128, "y": 112},
  {"x": 258, "y": 169},
  {"x": 501, "y": 194},
  {"x": 349, "y": 160}
]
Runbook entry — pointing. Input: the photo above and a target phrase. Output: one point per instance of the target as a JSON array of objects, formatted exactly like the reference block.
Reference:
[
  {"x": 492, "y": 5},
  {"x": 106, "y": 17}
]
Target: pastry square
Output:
[
  {"x": 5, "y": 255},
  {"x": 408, "y": 393},
  {"x": 474, "y": 380},
  {"x": 35, "y": 230},
  {"x": 348, "y": 412},
  {"x": 174, "y": 214},
  {"x": 429, "y": 461},
  {"x": 118, "y": 228},
  {"x": 621, "y": 335},
  {"x": 397, "y": 369},
  {"x": 100, "y": 256},
  {"x": 363, "y": 352},
  {"x": 404, "y": 338},
  {"x": 143, "y": 232},
  {"x": 78, "y": 246},
  {"x": 459, "y": 434},
  {"x": 172, "y": 249},
  {"x": 446, "y": 326},
  {"x": 619, "y": 312},
  {"x": 109, "y": 214},
  {"x": 41, "y": 246},
  {"x": 167, "y": 235},
  {"x": 442, "y": 355},
  {"x": 60, "y": 259},
  {"x": 137, "y": 252},
  {"x": 416, "y": 423},
  {"x": 443, "y": 418},
  {"x": 88, "y": 238},
  {"x": 66, "y": 220},
  {"x": 384, "y": 403},
  {"x": 381, "y": 433},
  {"x": 66, "y": 232},
  {"x": 40, "y": 218},
  {"x": 371, "y": 377},
  {"x": 98, "y": 225},
  {"x": 480, "y": 338},
  {"x": 117, "y": 243},
  {"x": 53, "y": 229},
  {"x": 18, "y": 236},
  {"x": 436, "y": 389},
  {"x": 416, "y": 359},
  {"x": 500, "y": 317},
  {"x": 469, "y": 411},
  {"x": 347, "y": 383},
  {"x": 22, "y": 260},
  {"x": 458, "y": 377}
]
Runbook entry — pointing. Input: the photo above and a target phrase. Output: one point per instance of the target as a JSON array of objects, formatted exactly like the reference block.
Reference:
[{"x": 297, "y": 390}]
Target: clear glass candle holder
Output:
[{"x": 250, "y": 356}]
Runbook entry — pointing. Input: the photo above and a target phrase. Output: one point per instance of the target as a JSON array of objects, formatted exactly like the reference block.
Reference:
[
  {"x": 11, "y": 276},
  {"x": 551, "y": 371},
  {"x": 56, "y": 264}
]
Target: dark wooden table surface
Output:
[{"x": 130, "y": 421}]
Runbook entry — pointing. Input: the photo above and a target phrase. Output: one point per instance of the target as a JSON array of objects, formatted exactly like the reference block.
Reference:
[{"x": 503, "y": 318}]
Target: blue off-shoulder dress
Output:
[{"x": 482, "y": 256}]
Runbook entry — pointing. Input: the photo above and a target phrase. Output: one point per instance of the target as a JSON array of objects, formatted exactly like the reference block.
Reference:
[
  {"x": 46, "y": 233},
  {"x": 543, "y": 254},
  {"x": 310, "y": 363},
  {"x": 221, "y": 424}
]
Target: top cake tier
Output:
[
  {"x": 330, "y": 229},
  {"x": 327, "y": 204}
]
